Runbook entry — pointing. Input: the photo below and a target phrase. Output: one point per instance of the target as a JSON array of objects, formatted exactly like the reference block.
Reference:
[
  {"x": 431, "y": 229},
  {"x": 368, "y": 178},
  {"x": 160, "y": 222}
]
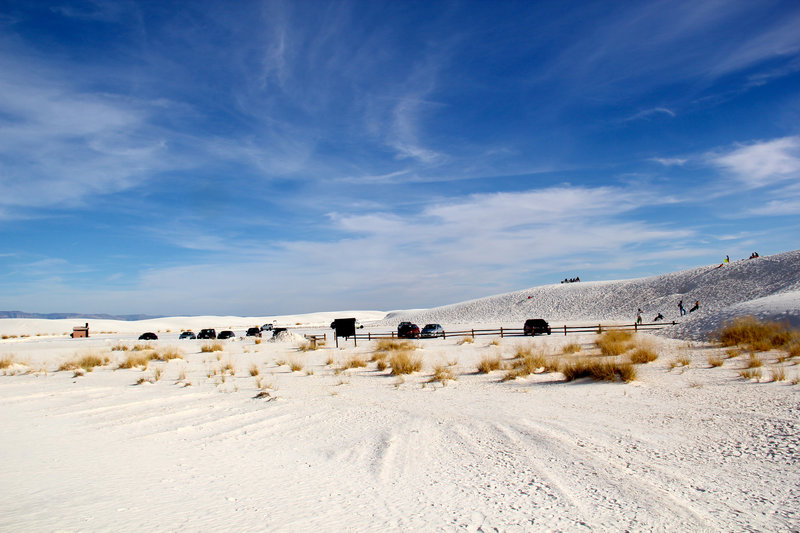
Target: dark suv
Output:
[
  {"x": 207, "y": 334},
  {"x": 536, "y": 325},
  {"x": 407, "y": 330},
  {"x": 253, "y": 332}
]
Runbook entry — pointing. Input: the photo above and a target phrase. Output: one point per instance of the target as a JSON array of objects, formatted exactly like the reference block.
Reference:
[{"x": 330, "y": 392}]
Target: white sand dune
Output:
[{"x": 689, "y": 448}]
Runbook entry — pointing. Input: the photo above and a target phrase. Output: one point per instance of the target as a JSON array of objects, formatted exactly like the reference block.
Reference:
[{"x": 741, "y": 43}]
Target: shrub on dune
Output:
[
  {"x": 599, "y": 369},
  {"x": 404, "y": 362},
  {"x": 6, "y": 361},
  {"x": 212, "y": 347},
  {"x": 571, "y": 348},
  {"x": 136, "y": 360},
  {"x": 489, "y": 363},
  {"x": 85, "y": 362},
  {"x": 390, "y": 345},
  {"x": 644, "y": 352},
  {"x": 615, "y": 342},
  {"x": 354, "y": 362},
  {"x": 755, "y": 334}
]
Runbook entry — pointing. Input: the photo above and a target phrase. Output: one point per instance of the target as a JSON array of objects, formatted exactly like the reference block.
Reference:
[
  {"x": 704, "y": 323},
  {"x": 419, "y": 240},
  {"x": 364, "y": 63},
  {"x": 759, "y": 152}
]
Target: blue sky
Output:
[{"x": 257, "y": 158}]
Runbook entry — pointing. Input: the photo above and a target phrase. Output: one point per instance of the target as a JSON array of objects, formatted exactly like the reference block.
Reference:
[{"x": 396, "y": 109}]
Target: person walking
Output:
[{"x": 680, "y": 308}]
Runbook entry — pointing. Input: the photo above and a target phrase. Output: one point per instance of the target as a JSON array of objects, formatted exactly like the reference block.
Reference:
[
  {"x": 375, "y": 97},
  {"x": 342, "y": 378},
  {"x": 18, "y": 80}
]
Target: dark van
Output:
[{"x": 535, "y": 326}]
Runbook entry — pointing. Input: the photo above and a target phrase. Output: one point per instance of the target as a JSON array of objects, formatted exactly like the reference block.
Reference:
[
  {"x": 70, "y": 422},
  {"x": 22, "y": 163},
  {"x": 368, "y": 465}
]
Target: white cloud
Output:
[
  {"x": 670, "y": 161},
  {"x": 762, "y": 163}
]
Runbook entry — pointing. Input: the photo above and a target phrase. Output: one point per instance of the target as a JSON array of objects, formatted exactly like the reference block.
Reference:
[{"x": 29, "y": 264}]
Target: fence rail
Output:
[{"x": 518, "y": 332}]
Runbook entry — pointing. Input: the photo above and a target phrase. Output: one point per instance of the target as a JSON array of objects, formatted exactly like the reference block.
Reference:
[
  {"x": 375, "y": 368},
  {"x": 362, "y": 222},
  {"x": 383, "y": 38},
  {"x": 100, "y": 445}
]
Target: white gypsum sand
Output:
[{"x": 689, "y": 448}]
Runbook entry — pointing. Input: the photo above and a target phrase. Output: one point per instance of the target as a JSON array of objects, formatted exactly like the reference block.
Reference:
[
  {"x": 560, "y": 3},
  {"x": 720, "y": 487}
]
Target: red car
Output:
[{"x": 407, "y": 330}]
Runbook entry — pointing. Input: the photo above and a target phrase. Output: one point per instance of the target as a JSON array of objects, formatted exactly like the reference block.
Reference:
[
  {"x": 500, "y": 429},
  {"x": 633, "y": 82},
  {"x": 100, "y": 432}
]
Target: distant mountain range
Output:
[{"x": 55, "y": 316}]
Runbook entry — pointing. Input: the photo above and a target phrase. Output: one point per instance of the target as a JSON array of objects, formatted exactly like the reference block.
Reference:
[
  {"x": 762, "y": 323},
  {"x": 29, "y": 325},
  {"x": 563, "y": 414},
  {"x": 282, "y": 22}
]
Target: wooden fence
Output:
[{"x": 518, "y": 332}]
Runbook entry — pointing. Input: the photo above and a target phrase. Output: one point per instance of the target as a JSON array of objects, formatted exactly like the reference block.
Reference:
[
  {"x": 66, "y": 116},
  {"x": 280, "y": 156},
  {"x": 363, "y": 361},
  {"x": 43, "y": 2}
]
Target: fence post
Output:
[
  {"x": 473, "y": 333},
  {"x": 565, "y": 330},
  {"x": 599, "y": 329},
  {"x": 636, "y": 327},
  {"x": 444, "y": 334},
  {"x": 501, "y": 332}
]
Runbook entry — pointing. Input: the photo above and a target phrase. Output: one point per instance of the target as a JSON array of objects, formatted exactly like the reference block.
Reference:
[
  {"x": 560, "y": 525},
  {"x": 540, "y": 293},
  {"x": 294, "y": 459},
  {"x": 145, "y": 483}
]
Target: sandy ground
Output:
[{"x": 689, "y": 448}]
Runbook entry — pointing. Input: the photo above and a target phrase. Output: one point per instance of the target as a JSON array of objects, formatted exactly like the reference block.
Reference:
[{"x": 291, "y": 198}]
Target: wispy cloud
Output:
[
  {"x": 670, "y": 161},
  {"x": 762, "y": 163},
  {"x": 649, "y": 113}
]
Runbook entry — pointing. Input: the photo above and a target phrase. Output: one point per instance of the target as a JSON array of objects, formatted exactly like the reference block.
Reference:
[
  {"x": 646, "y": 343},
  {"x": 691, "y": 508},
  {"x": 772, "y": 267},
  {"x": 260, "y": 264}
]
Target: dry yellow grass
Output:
[
  {"x": 643, "y": 352},
  {"x": 6, "y": 361},
  {"x": 570, "y": 348},
  {"x": 466, "y": 340},
  {"x": 715, "y": 360},
  {"x": 442, "y": 374},
  {"x": 753, "y": 362},
  {"x": 142, "y": 347},
  {"x": 527, "y": 362},
  {"x": 295, "y": 365},
  {"x": 598, "y": 369},
  {"x": 390, "y": 345},
  {"x": 86, "y": 362},
  {"x": 793, "y": 349},
  {"x": 354, "y": 361},
  {"x": 489, "y": 363},
  {"x": 212, "y": 347},
  {"x": 756, "y": 335},
  {"x": 169, "y": 353},
  {"x": 120, "y": 348},
  {"x": 751, "y": 373},
  {"x": 778, "y": 373},
  {"x": 615, "y": 342},
  {"x": 254, "y": 371},
  {"x": 405, "y": 362},
  {"x": 135, "y": 360}
]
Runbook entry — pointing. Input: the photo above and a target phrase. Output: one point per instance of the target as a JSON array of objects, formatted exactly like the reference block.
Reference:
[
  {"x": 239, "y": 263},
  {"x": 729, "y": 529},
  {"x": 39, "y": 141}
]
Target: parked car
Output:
[
  {"x": 187, "y": 335},
  {"x": 149, "y": 336},
  {"x": 226, "y": 334},
  {"x": 536, "y": 325},
  {"x": 209, "y": 333},
  {"x": 253, "y": 332},
  {"x": 407, "y": 330},
  {"x": 432, "y": 330},
  {"x": 266, "y": 327}
]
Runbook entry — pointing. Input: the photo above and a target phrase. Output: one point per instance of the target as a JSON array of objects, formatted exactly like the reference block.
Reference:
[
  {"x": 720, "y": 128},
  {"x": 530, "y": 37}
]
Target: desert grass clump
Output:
[
  {"x": 167, "y": 354},
  {"x": 157, "y": 373},
  {"x": 142, "y": 347},
  {"x": 793, "y": 349},
  {"x": 254, "y": 371},
  {"x": 354, "y": 361},
  {"x": 404, "y": 362},
  {"x": 681, "y": 360},
  {"x": 753, "y": 361},
  {"x": 751, "y": 373},
  {"x": 778, "y": 373},
  {"x": 391, "y": 345},
  {"x": 136, "y": 360},
  {"x": 227, "y": 367},
  {"x": 306, "y": 346},
  {"x": 643, "y": 352},
  {"x": 442, "y": 374},
  {"x": 756, "y": 335},
  {"x": 795, "y": 380},
  {"x": 119, "y": 347},
  {"x": 527, "y": 362},
  {"x": 715, "y": 360},
  {"x": 571, "y": 348},
  {"x": 615, "y": 342},
  {"x": 85, "y": 362},
  {"x": 6, "y": 361},
  {"x": 489, "y": 363},
  {"x": 466, "y": 340},
  {"x": 295, "y": 365},
  {"x": 212, "y": 347},
  {"x": 598, "y": 369}
]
